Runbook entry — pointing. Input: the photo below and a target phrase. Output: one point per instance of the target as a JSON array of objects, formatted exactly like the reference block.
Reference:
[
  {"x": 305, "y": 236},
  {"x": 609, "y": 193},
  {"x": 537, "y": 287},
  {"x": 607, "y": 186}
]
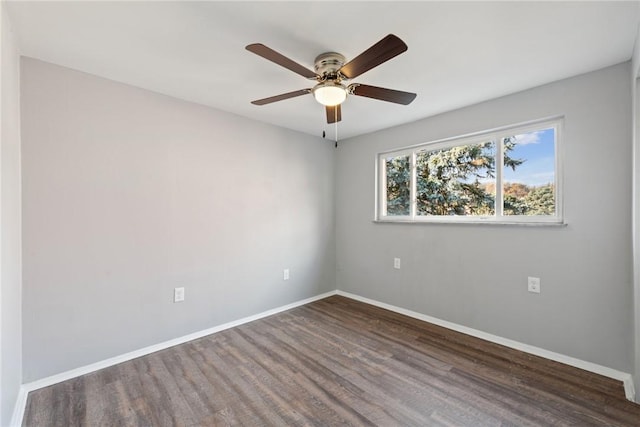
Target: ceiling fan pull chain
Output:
[{"x": 336, "y": 116}]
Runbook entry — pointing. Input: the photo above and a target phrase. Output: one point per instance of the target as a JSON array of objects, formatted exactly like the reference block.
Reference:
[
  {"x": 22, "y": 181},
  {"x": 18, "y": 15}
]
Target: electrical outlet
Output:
[
  {"x": 285, "y": 274},
  {"x": 178, "y": 295},
  {"x": 533, "y": 284},
  {"x": 396, "y": 263}
]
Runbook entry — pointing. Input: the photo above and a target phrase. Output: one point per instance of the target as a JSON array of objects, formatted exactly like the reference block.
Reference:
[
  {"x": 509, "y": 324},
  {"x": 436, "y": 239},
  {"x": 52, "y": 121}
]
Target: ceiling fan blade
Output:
[
  {"x": 273, "y": 56},
  {"x": 334, "y": 114},
  {"x": 380, "y": 52},
  {"x": 383, "y": 94},
  {"x": 281, "y": 97}
]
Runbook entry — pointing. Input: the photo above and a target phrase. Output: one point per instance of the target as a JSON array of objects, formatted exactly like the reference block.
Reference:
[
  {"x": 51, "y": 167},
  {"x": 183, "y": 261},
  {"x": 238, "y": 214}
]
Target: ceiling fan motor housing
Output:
[{"x": 327, "y": 64}]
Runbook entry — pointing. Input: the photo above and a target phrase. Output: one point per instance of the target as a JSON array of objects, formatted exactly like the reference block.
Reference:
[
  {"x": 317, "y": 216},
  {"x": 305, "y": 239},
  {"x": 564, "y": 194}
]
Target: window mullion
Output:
[
  {"x": 413, "y": 188},
  {"x": 499, "y": 208},
  {"x": 382, "y": 203}
]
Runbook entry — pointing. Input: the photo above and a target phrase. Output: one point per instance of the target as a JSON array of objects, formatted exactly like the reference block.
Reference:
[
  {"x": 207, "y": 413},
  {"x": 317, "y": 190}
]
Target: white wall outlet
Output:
[
  {"x": 396, "y": 263},
  {"x": 285, "y": 274},
  {"x": 533, "y": 284},
  {"x": 178, "y": 294}
]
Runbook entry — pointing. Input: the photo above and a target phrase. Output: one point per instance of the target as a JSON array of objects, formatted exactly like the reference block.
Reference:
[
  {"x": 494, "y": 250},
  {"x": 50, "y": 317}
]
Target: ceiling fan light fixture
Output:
[
  {"x": 330, "y": 93},
  {"x": 331, "y": 69}
]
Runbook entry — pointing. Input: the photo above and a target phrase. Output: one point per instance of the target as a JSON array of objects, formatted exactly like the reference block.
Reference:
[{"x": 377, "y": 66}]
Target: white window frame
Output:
[{"x": 494, "y": 135}]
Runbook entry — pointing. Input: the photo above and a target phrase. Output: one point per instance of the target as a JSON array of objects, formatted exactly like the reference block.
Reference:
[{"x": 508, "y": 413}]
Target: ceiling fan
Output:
[{"x": 331, "y": 72}]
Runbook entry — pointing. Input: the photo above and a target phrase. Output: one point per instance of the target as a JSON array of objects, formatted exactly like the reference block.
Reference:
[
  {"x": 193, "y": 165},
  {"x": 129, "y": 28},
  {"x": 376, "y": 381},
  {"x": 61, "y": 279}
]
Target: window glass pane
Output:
[
  {"x": 398, "y": 185},
  {"x": 529, "y": 173},
  {"x": 456, "y": 181}
]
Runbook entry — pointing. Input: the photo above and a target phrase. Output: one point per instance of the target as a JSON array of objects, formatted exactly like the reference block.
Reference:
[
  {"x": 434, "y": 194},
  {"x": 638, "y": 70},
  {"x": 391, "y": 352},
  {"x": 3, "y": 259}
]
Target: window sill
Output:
[{"x": 471, "y": 222}]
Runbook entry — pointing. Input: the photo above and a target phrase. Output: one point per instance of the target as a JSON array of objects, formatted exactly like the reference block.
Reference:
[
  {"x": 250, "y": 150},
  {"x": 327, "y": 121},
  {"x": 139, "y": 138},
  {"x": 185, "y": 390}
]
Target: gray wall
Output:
[
  {"x": 635, "y": 69},
  {"x": 475, "y": 275},
  {"x": 128, "y": 194},
  {"x": 10, "y": 218},
  {"x": 636, "y": 228}
]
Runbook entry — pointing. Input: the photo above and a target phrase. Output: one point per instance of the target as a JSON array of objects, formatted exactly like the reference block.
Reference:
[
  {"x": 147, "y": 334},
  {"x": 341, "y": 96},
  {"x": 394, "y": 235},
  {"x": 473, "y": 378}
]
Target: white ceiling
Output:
[{"x": 460, "y": 53}]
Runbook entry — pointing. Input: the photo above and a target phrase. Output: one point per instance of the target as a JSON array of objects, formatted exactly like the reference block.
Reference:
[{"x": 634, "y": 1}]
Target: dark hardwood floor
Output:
[{"x": 335, "y": 362}]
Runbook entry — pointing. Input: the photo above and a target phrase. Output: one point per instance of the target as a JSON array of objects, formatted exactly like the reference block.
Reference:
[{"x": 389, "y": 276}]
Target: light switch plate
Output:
[{"x": 178, "y": 294}]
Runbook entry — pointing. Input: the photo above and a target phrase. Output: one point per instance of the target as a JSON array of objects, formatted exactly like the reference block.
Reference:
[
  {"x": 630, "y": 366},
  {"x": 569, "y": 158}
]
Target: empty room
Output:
[{"x": 319, "y": 213}]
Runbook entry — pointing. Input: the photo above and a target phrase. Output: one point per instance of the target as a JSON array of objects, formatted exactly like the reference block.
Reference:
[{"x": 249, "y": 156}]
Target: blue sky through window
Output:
[{"x": 538, "y": 150}]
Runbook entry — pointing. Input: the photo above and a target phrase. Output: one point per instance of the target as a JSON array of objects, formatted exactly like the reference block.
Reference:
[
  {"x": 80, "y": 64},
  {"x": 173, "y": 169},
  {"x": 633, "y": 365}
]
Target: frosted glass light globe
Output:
[{"x": 330, "y": 93}]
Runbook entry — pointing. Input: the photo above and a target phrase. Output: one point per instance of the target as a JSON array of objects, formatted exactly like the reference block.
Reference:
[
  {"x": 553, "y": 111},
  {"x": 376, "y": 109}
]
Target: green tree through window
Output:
[
  {"x": 452, "y": 181},
  {"x": 460, "y": 180},
  {"x": 398, "y": 185}
]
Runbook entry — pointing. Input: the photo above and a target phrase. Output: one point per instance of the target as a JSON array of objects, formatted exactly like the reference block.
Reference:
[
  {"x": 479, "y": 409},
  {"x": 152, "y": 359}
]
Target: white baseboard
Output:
[
  {"x": 626, "y": 378},
  {"x": 19, "y": 408},
  {"x": 21, "y": 402}
]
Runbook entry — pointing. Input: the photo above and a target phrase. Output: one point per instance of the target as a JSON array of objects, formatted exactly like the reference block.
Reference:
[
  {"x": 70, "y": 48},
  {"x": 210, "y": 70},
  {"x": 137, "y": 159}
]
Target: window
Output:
[{"x": 505, "y": 176}]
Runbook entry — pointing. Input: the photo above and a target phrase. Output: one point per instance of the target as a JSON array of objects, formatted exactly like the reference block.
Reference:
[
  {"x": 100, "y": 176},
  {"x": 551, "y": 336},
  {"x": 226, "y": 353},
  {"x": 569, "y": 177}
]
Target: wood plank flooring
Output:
[{"x": 335, "y": 362}]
